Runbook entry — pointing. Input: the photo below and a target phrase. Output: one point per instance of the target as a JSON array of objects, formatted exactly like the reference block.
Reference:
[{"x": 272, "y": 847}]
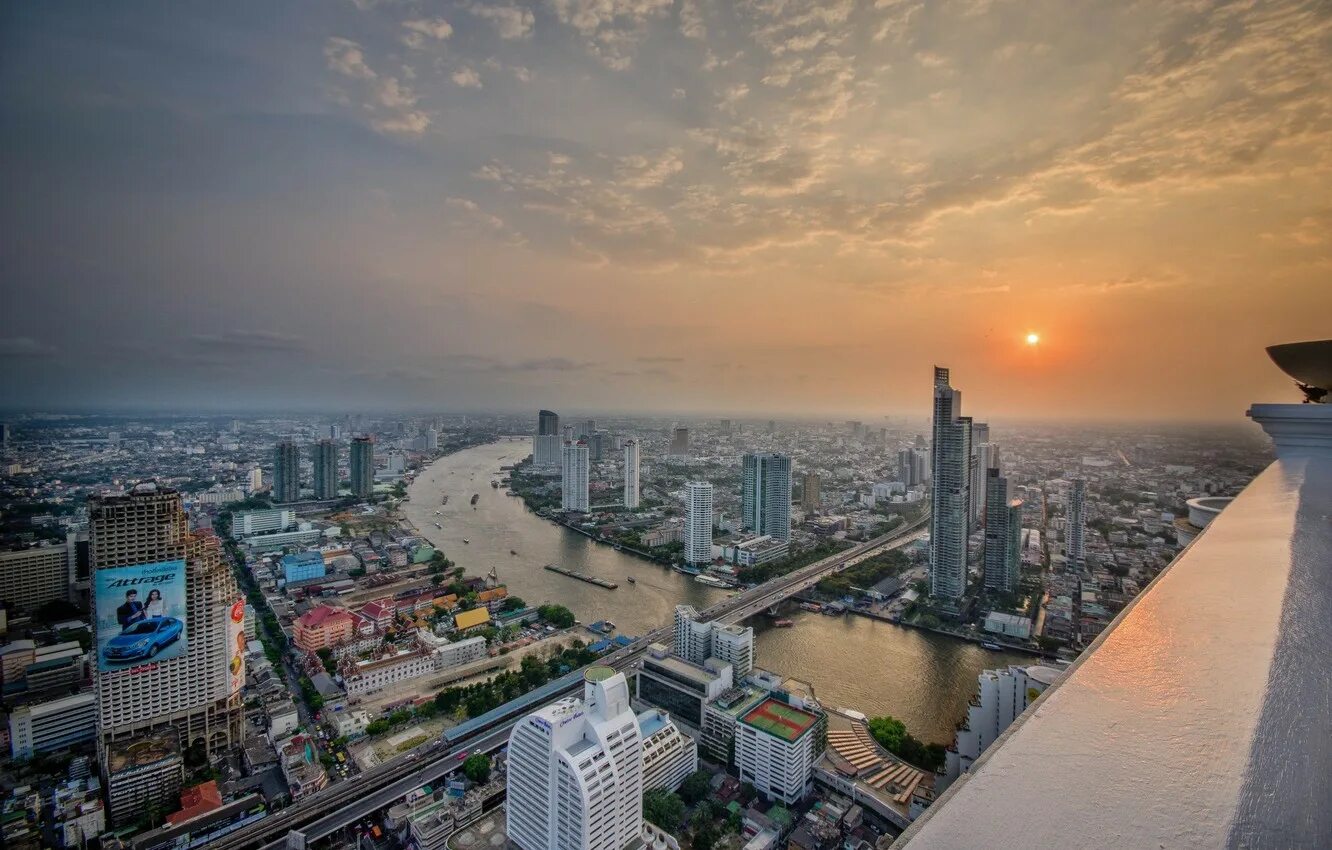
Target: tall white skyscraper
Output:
[
  {"x": 575, "y": 466},
  {"x": 950, "y": 520},
  {"x": 698, "y": 522},
  {"x": 631, "y": 496},
  {"x": 1076, "y": 551},
  {"x": 575, "y": 778},
  {"x": 766, "y": 496}
]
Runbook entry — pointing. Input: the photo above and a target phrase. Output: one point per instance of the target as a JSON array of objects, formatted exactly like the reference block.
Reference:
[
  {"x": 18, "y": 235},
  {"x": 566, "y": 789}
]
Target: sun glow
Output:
[{"x": 1033, "y": 338}]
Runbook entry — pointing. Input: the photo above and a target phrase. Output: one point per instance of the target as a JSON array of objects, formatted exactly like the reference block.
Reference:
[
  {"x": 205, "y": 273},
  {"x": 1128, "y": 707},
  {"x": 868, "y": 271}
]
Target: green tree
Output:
[
  {"x": 704, "y": 837},
  {"x": 477, "y": 768},
  {"x": 889, "y": 732},
  {"x": 557, "y": 615},
  {"x": 696, "y": 787},
  {"x": 377, "y": 727},
  {"x": 664, "y": 809}
]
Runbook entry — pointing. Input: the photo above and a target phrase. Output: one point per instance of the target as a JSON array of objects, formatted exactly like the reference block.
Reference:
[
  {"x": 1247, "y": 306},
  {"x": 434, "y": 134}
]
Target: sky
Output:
[{"x": 749, "y": 207}]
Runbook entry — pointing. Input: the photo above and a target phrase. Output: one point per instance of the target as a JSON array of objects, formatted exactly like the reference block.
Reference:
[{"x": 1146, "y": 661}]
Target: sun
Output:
[{"x": 1033, "y": 338}]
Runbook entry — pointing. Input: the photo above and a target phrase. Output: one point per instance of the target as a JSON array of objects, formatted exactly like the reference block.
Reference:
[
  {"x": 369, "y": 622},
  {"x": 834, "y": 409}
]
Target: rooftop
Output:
[
  {"x": 779, "y": 719},
  {"x": 1199, "y": 718}
]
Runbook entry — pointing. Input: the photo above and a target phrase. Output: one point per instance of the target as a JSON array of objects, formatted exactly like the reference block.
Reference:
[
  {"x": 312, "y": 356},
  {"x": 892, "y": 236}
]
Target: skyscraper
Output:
[
  {"x": 951, "y": 498},
  {"x": 587, "y": 429},
  {"x": 335, "y": 431},
  {"x": 980, "y": 435},
  {"x": 362, "y": 466},
  {"x": 811, "y": 492},
  {"x": 575, "y": 771},
  {"x": 286, "y": 472},
  {"x": 548, "y": 423},
  {"x": 631, "y": 497},
  {"x": 161, "y": 697},
  {"x": 1076, "y": 551},
  {"x": 698, "y": 522},
  {"x": 325, "y": 458},
  {"x": 766, "y": 501},
  {"x": 987, "y": 458},
  {"x": 575, "y": 465},
  {"x": 1003, "y": 535},
  {"x": 680, "y": 443}
]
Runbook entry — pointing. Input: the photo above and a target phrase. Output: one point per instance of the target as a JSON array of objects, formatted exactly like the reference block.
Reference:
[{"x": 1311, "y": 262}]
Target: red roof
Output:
[
  {"x": 316, "y": 617},
  {"x": 197, "y": 800}
]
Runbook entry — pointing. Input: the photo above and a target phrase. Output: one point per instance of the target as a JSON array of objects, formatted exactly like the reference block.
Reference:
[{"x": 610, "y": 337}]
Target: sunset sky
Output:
[{"x": 774, "y": 206}]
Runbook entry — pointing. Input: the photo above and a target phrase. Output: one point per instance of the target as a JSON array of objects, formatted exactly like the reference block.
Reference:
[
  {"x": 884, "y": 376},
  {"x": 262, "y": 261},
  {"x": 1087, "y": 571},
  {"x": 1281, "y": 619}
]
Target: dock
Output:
[{"x": 599, "y": 582}]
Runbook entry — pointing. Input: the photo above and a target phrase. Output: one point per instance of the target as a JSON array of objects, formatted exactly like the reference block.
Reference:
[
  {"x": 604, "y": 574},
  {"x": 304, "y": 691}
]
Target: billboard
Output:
[
  {"x": 140, "y": 614},
  {"x": 236, "y": 646}
]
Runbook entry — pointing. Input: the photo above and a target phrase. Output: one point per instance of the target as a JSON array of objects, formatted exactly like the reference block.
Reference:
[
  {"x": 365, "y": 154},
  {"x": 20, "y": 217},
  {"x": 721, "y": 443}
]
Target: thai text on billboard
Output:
[{"x": 140, "y": 614}]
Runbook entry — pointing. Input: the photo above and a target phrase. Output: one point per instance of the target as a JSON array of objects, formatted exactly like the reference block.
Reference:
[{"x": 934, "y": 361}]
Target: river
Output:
[{"x": 877, "y": 668}]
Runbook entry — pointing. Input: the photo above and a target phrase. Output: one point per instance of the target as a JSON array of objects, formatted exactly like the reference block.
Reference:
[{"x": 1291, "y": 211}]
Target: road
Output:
[{"x": 339, "y": 805}]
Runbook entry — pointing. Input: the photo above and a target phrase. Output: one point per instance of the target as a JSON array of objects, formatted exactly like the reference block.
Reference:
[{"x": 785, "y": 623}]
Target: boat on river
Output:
[
  {"x": 631, "y": 579},
  {"x": 992, "y": 646},
  {"x": 710, "y": 581},
  {"x": 783, "y": 623}
]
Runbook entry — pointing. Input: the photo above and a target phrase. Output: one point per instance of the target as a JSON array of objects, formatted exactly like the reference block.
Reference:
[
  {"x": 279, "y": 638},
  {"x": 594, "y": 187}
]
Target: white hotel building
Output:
[{"x": 575, "y": 777}]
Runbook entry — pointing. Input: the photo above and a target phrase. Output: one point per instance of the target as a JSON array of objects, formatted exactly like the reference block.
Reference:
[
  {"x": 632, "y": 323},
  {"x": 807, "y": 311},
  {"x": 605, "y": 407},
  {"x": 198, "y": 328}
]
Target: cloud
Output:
[
  {"x": 466, "y": 77},
  {"x": 238, "y": 340},
  {"x": 642, "y": 172},
  {"x": 347, "y": 58},
  {"x": 24, "y": 347},
  {"x": 660, "y": 359},
  {"x": 611, "y": 29},
  {"x": 511, "y": 22},
  {"x": 421, "y": 29}
]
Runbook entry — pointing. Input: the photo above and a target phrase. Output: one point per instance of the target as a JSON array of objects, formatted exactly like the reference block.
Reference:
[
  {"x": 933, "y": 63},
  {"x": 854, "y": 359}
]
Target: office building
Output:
[
  {"x": 950, "y": 519},
  {"x": 698, "y": 522},
  {"x": 811, "y": 493},
  {"x": 1076, "y": 530},
  {"x": 1001, "y": 695},
  {"x": 669, "y": 755},
  {"x": 766, "y": 494},
  {"x": 548, "y": 423},
  {"x": 1003, "y": 536},
  {"x": 29, "y": 578},
  {"x": 575, "y": 771},
  {"x": 286, "y": 472},
  {"x": 362, "y": 466},
  {"x": 324, "y": 456},
  {"x": 575, "y": 467},
  {"x": 177, "y": 693},
  {"x": 679, "y": 686},
  {"x": 302, "y": 567},
  {"x": 776, "y": 745},
  {"x": 680, "y": 443},
  {"x": 696, "y": 641},
  {"x": 249, "y": 523},
  {"x": 58, "y": 724},
  {"x": 631, "y": 495}
]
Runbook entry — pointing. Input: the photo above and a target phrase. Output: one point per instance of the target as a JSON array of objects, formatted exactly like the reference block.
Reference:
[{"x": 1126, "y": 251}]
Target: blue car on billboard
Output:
[{"x": 143, "y": 639}]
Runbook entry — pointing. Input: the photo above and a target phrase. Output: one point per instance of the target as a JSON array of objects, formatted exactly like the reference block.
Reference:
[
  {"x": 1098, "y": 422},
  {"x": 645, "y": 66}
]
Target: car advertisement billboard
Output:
[
  {"x": 140, "y": 614},
  {"x": 236, "y": 646}
]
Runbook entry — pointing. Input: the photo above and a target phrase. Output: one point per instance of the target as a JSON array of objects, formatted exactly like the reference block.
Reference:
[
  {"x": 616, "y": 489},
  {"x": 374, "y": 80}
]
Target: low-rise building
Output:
[
  {"x": 669, "y": 755},
  {"x": 752, "y": 550},
  {"x": 679, "y": 686},
  {"x": 776, "y": 745},
  {"x": 302, "y": 567},
  {"x": 298, "y": 758},
  {"x": 77, "y": 811},
  {"x": 54, "y": 725},
  {"x": 143, "y": 771},
  {"x": 1001, "y": 695},
  {"x": 322, "y": 627}
]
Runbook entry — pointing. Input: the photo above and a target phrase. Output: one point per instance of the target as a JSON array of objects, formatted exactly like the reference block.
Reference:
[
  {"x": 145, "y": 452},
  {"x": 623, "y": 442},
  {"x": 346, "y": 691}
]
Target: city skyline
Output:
[{"x": 1131, "y": 184}]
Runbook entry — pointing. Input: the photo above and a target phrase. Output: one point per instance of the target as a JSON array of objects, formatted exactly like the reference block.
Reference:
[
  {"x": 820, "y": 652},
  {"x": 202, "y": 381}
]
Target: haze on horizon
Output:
[{"x": 750, "y": 207}]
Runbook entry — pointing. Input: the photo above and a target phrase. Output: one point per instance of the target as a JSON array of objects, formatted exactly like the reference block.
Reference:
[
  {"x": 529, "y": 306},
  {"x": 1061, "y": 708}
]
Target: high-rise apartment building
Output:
[
  {"x": 286, "y": 472},
  {"x": 950, "y": 519},
  {"x": 766, "y": 494},
  {"x": 362, "y": 466},
  {"x": 669, "y": 755},
  {"x": 575, "y": 468},
  {"x": 325, "y": 458},
  {"x": 631, "y": 494},
  {"x": 987, "y": 458},
  {"x": 698, "y": 522},
  {"x": 1003, "y": 535},
  {"x": 254, "y": 481},
  {"x": 776, "y": 745},
  {"x": 1075, "y": 550},
  {"x": 1001, "y": 695},
  {"x": 575, "y": 771},
  {"x": 335, "y": 431},
  {"x": 587, "y": 428},
  {"x": 163, "y": 640},
  {"x": 811, "y": 492},
  {"x": 680, "y": 443}
]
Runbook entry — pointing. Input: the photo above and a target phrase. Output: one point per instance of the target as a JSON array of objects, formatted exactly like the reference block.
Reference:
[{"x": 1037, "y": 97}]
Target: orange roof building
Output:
[
  {"x": 322, "y": 627},
  {"x": 195, "y": 801}
]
